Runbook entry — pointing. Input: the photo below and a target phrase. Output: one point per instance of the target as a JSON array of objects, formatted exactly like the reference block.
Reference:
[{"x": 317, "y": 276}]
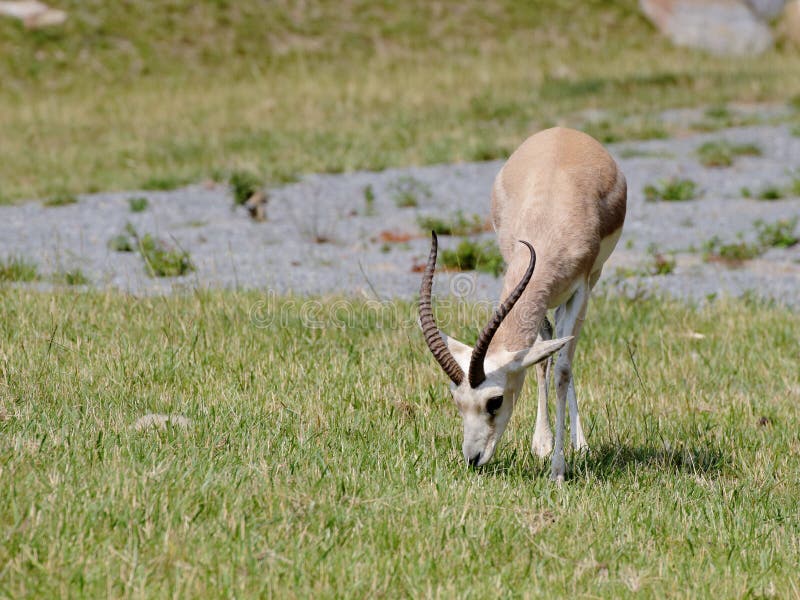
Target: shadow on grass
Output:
[{"x": 611, "y": 461}]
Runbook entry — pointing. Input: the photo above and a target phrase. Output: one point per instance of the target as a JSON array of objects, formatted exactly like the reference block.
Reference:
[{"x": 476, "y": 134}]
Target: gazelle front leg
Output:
[
  {"x": 542, "y": 443},
  {"x": 569, "y": 319}
]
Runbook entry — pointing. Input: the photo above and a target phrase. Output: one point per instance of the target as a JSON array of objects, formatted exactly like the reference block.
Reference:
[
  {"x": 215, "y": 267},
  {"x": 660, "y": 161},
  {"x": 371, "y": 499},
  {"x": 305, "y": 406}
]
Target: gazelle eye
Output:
[{"x": 494, "y": 404}]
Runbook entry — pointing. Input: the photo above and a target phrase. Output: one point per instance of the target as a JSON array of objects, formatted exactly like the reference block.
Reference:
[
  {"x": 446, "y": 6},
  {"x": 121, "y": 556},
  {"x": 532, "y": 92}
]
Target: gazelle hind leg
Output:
[
  {"x": 575, "y": 429},
  {"x": 542, "y": 443},
  {"x": 569, "y": 319}
]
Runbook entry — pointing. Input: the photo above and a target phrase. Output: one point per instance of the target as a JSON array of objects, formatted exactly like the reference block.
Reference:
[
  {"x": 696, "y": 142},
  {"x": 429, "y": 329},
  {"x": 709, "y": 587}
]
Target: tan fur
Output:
[{"x": 562, "y": 192}]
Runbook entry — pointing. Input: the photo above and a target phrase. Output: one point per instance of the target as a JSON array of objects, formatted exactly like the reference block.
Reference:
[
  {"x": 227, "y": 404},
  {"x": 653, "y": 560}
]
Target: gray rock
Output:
[
  {"x": 322, "y": 237},
  {"x": 725, "y": 27}
]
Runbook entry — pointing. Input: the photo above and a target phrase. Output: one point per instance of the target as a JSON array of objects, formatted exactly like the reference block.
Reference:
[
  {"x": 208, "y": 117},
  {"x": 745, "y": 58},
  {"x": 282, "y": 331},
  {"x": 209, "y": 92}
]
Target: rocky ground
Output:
[{"x": 323, "y": 235}]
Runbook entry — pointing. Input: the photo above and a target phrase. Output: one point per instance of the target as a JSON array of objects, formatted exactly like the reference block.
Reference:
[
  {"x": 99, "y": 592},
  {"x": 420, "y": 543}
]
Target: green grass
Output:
[
  {"x": 161, "y": 260},
  {"x": 672, "y": 190},
  {"x": 771, "y": 192},
  {"x": 660, "y": 262},
  {"x": 408, "y": 192},
  {"x": 722, "y": 153},
  {"x": 733, "y": 253},
  {"x": 161, "y": 94},
  {"x": 471, "y": 255},
  {"x": 138, "y": 204},
  {"x": 369, "y": 201},
  {"x": 71, "y": 277},
  {"x": 780, "y": 234},
  {"x": 18, "y": 268},
  {"x": 457, "y": 224},
  {"x": 326, "y": 462},
  {"x": 61, "y": 199},
  {"x": 243, "y": 185}
]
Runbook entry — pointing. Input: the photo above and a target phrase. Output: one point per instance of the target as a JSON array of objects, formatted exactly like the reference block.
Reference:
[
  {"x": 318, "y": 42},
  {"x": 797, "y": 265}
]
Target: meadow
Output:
[
  {"x": 321, "y": 456},
  {"x": 154, "y": 95},
  {"x": 325, "y": 460}
]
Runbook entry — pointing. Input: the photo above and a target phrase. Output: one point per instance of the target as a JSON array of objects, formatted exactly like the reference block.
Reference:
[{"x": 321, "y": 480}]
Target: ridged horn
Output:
[
  {"x": 477, "y": 375},
  {"x": 435, "y": 342}
]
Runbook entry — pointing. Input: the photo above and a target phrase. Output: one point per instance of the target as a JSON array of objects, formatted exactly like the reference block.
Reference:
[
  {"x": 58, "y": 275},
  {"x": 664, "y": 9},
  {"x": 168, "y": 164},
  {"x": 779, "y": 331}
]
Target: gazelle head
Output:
[{"x": 486, "y": 395}]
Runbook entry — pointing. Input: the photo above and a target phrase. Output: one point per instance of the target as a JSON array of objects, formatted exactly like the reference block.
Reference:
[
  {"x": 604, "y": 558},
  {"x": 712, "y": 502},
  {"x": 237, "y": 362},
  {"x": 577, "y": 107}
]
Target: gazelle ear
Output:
[
  {"x": 460, "y": 351},
  {"x": 537, "y": 353}
]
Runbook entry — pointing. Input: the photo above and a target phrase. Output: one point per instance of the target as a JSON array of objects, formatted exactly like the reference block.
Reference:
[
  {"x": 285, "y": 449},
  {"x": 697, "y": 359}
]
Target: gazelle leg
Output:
[
  {"x": 575, "y": 429},
  {"x": 569, "y": 318},
  {"x": 542, "y": 443}
]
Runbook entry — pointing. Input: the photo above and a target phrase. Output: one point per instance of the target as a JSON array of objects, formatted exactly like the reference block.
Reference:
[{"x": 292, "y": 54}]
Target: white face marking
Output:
[{"x": 485, "y": 413}]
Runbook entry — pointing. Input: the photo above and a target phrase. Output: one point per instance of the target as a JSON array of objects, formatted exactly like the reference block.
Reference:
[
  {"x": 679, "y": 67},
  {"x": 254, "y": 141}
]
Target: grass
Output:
[
  {"x": 672, "y": 190},
  {"x": 408, "y": 192},
  {"x": 138, "y": 204},
  {"x": 771, "y": 192},
  {"x": 733, "y": 253},
  {"x": 162, "y": 260},
  {"x": 369, "y": 201},
  {"x": 326, "y": 462},
  {"x": 457, "y": 224},
  {"x": 243, "y": 185},
  {"x": 661, "y": 263},
  {"x": 722, "y": 153},
  {"x": 162, "y": 94},
  {"x": 61, "y": 199},
  {"x": 18, "y": 268},
  {"x": 471, "y": 255},
  {"x": 780, "y": 234},
  {"x": 71, "y": 277}
]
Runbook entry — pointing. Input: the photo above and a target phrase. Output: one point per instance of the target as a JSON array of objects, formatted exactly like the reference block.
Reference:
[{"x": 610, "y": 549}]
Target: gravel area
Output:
[{"x": 321, "y": 237}]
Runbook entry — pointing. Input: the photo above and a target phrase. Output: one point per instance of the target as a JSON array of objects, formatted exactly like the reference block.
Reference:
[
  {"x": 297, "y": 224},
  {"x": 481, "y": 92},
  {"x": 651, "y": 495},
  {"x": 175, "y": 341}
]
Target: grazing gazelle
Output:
[{"x": 562, "y": 194}]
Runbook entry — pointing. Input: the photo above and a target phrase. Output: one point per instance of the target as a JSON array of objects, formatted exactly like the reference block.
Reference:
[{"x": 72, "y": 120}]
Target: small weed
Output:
[
  {"x": 795, "y": 131},
  {"x": 474, "y": 256},
  {"x": 718, "y": 113},
  {"x": 124, "y": 242},
  {"x": 671, "y": 190},
  {"x": 734, "y": 253},
  {"x": 771, "y": 192},
  {"x": 164, "y": 182},
  {"x": 457, "y": 225},
  {"x": 71, "y": 277},
  {"x": 641, "y": 153},
  {"x": 369, "y": 201},
  {"x": 61, "y": 199},
  {"x": 721, "y": 153},
  {"x": 408, "y": 191},
  {"x": 662, "y": 264},
  {"x": 138, "y": 204},
  {"x": 121, "y": 243},
  {"x": 746, "y": 192},
  {"x": 386, "y": 248},
  {"x": 780, "y": 234},
  {"x": 18, "y": 268},
  {"x": 610, "y": 131},
  {"x": 794, "y": 187},
  {"x": 243, "y": 185},
  {"x": 163, "y": 261}
]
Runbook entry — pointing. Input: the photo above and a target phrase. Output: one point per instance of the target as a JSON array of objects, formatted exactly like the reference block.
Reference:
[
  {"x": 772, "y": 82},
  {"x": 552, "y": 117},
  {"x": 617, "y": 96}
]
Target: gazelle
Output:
[{"x": 561, "y": 193}]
